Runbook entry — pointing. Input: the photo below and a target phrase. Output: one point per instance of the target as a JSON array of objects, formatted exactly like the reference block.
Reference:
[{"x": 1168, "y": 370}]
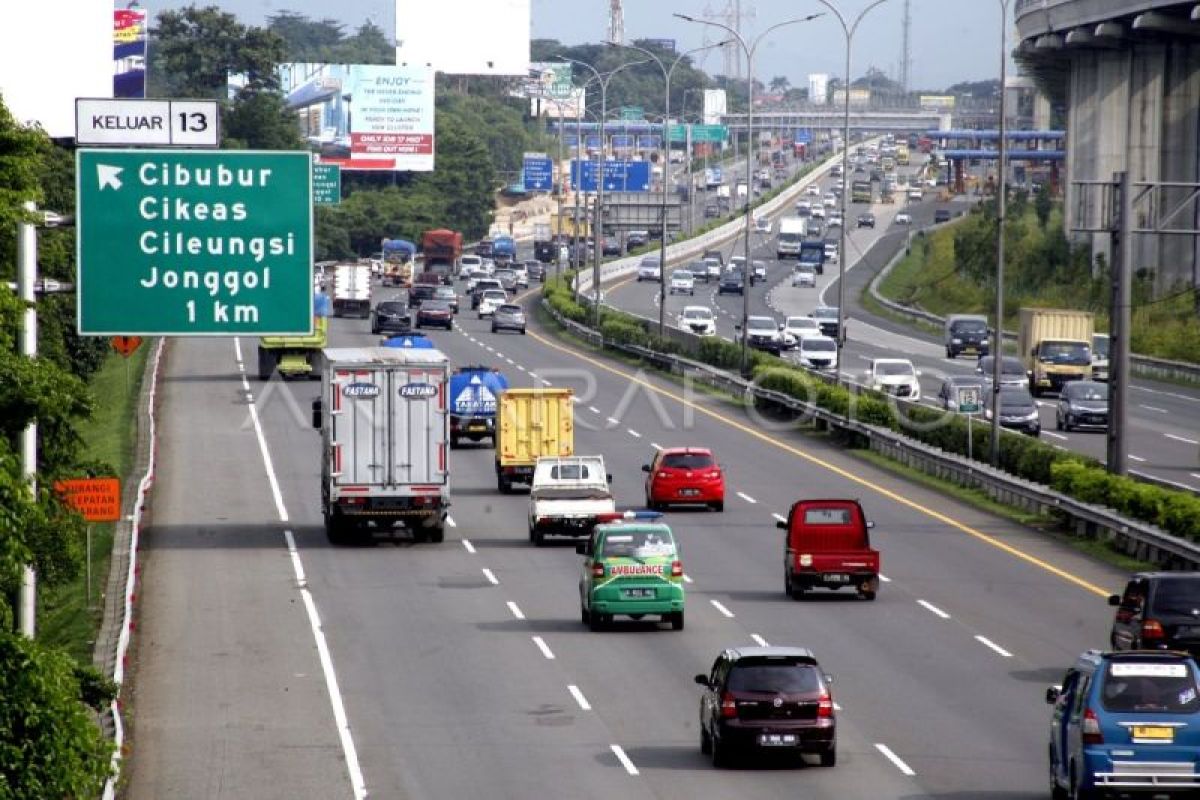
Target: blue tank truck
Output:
[{"x": 474, "y": 392}]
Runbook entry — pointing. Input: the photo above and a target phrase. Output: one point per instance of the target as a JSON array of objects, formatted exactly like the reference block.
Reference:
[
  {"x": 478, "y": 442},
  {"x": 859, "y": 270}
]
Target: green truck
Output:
[{"x": 296, "y": 356}]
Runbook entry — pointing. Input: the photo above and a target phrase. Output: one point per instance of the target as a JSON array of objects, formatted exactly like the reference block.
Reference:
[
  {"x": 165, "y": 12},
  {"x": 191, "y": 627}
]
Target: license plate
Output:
[
  {"x": 776, "y": 739},
  {"x": 837, "y": 578},
  {"x": 970, "y": 349},
  {"x": 688, "y": 492},
  {"x": 476, "y": 426},
  {"x": 1154, "y": 733},
  {"x": 639, "y": 593}
]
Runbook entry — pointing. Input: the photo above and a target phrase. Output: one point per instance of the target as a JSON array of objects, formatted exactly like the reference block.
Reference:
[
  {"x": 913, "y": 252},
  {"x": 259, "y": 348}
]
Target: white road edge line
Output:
[
  {"x": 545, "y": 648},
  {"x": 516, "y": 610},
  {"x": 1139, "y": 459},
  {"x": 492, "y": 579},
  {"x": 747, "y": 498},
  {"x": 1054, "y": 435},
  {"x": 1183, "y": 439},
  {"x": 579, "y": 698},
  {"x": 758, "y": 640},
  {"x": 341, "y": 721},
  {"x": 469, "y": 547},
  {"x": 717, "y": 605},
  {"x": 986, "y": 642},
  {"x": 895, "y": 759},
  {"x": 624, "y": 759},
  {"x": 931, "y": 607}
]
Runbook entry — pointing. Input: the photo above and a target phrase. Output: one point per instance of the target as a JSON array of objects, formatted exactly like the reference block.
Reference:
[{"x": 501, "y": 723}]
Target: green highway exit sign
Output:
[
  {"x": 193, "y": 243},
  {"x": 327, "y": 184}
]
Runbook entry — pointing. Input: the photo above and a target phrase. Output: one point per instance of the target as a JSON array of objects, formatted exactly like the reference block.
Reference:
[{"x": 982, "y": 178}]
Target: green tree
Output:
[
  {"x": 780, "y": 83},
  {"x": 193, "y": 52},
  {"x": 260, "y": 121}
]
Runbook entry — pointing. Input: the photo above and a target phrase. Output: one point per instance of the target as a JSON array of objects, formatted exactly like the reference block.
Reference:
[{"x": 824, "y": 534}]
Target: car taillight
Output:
[
  {"x": 728, "y": 706},
  {"x": 716, "y": 473},
  {"x": 1152, "y": 629},
  {"x": 662, "y": 474},
  {"x": 1091, "y": 728},
  {"x": 825, "y": 706},
  {"x": 597, "y": 570},
  {"x": 676, "y": 569}
]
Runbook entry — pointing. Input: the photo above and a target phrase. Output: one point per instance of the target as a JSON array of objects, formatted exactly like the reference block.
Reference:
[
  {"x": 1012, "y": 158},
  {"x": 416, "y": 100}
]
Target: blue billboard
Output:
[
  {"x": 649, "y": 142},
  {"x": 619, "y": 176},
  {"x": 591, "y": 142},
  {"x": 538, "y": 172},
  {"x": 621, "y": 141}
]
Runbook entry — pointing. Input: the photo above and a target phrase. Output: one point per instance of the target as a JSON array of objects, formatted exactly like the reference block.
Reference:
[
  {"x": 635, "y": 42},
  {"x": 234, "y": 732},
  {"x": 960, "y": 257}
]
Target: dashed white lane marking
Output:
[
  {"x": 612, "y": 421},
  {"x": 747, "y": 498},
  {"x": 509, "y": 360},
  {"x": 884, "y": 578},
  {"x": 931, "y": 607},
  {"x": 492, "y": 579},
  {"x": 489, "y": 348},
  {"x": 515, "y": 609},
  {"x": 1054, "y": 435},
  {"x": 450, "y": 521},
  {"x": 593, "y": 409},
  {"x": 1152, "y": 408},
  {"x": 656, "y": 445},
  {"x": 758, "y": 640},
  {"x": 545, "y": 382},
  {"x": 470, "y": 548},
  {"x": 895, "y": 759},
  {"x": 522, "y": 368},
  {"x": 624, "y": 759},
  {"x": 1183, "y": 439},
  {"x": 1132, "y": 457},
  {"x": 545, "y": 648},
  {"x": 687, "y": 578},
  {"x": 579, "y": 698},
  {"x": 717, "y": 605},
  {"x": 634, "y": 433},
  {"x": 779, "y": 517},
  {"x": 986, "y": 642}
]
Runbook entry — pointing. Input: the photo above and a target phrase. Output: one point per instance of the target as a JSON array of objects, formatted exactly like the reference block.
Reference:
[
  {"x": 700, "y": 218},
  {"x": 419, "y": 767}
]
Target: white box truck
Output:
[
  {"x": 385, "y": 428},
  {"x": 792, "y": 232},
  {"x": 352, "y": 290}
]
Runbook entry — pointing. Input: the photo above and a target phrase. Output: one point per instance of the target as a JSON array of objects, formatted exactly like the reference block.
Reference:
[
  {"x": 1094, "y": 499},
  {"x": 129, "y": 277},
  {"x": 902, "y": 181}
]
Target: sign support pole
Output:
[{"x": 88, "y": 589}]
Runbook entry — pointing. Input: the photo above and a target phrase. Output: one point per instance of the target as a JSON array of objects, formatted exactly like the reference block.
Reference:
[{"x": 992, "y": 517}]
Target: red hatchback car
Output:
[{"x": 684, "y": 475}]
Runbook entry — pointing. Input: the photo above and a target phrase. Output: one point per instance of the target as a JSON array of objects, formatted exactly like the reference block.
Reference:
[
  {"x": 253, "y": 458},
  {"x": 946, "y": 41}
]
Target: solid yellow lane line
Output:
[{"x": 888, "y": 493}]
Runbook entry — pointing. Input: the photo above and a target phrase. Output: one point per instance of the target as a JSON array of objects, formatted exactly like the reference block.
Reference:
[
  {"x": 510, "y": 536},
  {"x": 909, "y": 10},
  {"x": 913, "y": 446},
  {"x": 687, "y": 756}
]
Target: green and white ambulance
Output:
[{"x": 631, "y": 567}]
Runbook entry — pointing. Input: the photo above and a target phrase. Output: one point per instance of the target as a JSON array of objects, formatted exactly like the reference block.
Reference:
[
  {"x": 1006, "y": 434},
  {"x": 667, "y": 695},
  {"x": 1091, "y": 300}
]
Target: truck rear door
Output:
[
  {"x": 359, "y": 413},
  {"x": 417, "y": 426}
]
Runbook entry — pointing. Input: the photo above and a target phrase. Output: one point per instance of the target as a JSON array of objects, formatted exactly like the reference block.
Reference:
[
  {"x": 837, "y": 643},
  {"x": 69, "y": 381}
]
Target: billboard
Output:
[
  {"x": 364, "y": 117},
  {"x": 570, "y": 108},
  {"x": 464, "y": 37},
  {"x": 52, "y": 55},
  {"x": 549, "y": 79},
  {"x": 937, "y": 102},
  {"x": 714, "y": 106},
  {"x": 858, "y": 97},
  {"x": 129, "y": 52}
]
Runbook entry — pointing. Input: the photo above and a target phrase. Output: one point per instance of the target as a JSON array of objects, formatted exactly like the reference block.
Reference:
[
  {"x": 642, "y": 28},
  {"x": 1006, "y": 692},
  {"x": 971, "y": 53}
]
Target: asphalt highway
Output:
[
  {"x": 1165, "y": 419},
  {"x": 270, "y": 664}
]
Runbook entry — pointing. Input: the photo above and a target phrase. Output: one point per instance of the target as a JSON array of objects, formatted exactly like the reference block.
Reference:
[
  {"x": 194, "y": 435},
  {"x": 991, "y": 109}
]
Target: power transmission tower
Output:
[
  {"x": 906, "y": 47},
  {"x": 616, "y": 22},
  {"x": 731, "y": 15}
]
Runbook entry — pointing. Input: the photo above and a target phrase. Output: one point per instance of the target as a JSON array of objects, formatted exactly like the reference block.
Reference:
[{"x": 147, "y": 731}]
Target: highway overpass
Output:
[{"x": 1128, "y": 72}]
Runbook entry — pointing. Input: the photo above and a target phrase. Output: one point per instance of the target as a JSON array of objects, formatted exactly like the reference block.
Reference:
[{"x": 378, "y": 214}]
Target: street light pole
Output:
[
  {"x": 666, "y": 144},
  {"x": 747, "y": 272},
  {"x": 848, "y": 29},
  {"x": 26, "y": 279},
  {"x": 1001, "y": 204}
]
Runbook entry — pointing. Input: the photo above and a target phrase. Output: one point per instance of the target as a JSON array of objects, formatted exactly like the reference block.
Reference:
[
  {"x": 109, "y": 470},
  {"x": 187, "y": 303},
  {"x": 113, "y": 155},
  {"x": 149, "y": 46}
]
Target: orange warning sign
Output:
[
  {"x": 125, "y": 345},
  {"x": 97, "y": 499}
]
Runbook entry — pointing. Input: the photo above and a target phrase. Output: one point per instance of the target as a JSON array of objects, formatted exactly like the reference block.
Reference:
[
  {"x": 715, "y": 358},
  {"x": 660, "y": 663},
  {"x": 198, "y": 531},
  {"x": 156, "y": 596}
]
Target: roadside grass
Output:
[{"x": 66, "y": 618}]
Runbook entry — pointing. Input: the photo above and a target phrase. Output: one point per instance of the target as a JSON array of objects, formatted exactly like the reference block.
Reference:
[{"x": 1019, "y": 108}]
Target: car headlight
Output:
[
  {"x": 1030, "y": 417},
  {"x": 956, "y": 341}
]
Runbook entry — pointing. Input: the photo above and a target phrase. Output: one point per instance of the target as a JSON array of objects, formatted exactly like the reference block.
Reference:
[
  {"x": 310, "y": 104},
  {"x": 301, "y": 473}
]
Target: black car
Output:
[
  {"x": 711, "y": 211},
  {"x": 941, "y": 215},
  {"x": 1012, "y": 372},
  {"x": 419, "y": 293},
  {"x": 509, "y": 317},
  {"x": 435, "y": 313},
  {"x": 1082, "y": 404},
  {"x": 391, "y": 316},
  {"x": 635, "y": 239},
  {"x": 611, "y": 246},
  {"x": 699, "y": 271},
  {"x": 767, "y": 700},
  {"x": 1158, "y": 611},
  {"x": 949, "y": 395},
  {"x": 827, "y": 318},
  {"x": 732, "y": 282},
  {"x": 1018, "y": 411},
  {"x": 866, "y": 220}
]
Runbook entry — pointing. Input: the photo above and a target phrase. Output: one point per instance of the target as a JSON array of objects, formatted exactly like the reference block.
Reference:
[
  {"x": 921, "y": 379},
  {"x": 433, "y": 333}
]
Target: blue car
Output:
[{"x": 1126, "y": 723}]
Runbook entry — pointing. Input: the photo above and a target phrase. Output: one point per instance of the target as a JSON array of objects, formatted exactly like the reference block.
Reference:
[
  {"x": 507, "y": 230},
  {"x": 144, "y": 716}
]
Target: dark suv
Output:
[
  {"x": 767, "y": 699},
  {"x": 1158, "y": 611}
]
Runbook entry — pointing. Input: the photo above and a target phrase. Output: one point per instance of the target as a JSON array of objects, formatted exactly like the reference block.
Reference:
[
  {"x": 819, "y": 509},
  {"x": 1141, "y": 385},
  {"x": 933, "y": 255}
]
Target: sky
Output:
[{"x": 952, "y": 40}]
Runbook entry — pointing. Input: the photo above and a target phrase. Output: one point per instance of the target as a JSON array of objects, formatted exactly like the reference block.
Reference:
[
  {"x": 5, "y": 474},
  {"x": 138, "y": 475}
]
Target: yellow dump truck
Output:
[
  {"x": 296, "y": 356},
  {"x": 1056, "y": 346},
  {"x": 532, "y": 423}
]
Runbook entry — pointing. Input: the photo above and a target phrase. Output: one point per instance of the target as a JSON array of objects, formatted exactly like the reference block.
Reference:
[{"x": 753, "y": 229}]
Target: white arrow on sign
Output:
[{"x": 109, "y": 176}]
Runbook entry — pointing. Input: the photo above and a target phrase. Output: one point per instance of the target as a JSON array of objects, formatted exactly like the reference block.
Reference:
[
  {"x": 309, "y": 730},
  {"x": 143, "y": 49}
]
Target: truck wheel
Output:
[
  {"x": 436, "y": 534},
  {"x": 267, "y": 361},
  {"x": 336, "y": 530},
  {"x": 791, "y": 588},
  {"x": 502, "y": 485},
  {"x": 539, "y": 538}
]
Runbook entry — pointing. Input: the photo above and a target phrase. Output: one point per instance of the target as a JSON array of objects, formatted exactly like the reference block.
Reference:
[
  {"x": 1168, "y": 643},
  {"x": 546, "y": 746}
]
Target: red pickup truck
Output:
[{"x": 827, "y": 545}]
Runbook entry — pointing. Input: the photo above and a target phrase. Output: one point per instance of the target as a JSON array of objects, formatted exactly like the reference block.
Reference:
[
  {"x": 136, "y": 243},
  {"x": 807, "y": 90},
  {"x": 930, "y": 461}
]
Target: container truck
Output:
[
  {"x": 384, "y": 434},
  {"x": 792, "y": 232},
  {"x": 812, "y": 252},
  {"x": 352, "y": 290},
  {"x": 860, "y": 191},
  {"x": 473, "y": 396},
  {"x": 1056, "y": 347},
  {"x": 545, "y": 249},
  {"x": 441, "y": 249},
  {"x": 532, "y": 423},
  {"x": 296, "y": 356},
  {"x": 398, "y": 256},
  {"x": 504, "y": 249}
]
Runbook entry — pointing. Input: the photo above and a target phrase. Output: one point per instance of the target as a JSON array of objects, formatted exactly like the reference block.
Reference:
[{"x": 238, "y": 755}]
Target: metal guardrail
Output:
[
  {"x": 1141, "y": 540},
  {"x": 1146, "y": 366}
]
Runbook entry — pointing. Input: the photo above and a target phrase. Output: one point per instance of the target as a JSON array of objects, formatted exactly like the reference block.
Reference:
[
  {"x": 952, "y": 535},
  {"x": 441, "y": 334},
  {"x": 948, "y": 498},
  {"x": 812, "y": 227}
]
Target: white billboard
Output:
[
  {"x": 52, "y": 56},
  {"x": 818, "y": 88},
  {"x": 464, "y": 37},
  {"x": 570, "y": 108},
  {"x": 714, "y": 106}
]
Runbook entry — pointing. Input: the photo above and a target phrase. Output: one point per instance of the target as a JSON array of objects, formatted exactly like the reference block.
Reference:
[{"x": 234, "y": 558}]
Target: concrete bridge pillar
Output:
[{"x": 1180, "y": 255}]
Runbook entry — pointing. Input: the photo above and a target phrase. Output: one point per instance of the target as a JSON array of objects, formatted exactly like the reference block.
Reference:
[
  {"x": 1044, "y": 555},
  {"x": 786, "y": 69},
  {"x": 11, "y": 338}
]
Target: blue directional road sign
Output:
[
  {"x": 619, "y": 176},
  {"x": 539, "y": 172},
  {"x": 803, "y": 135}
]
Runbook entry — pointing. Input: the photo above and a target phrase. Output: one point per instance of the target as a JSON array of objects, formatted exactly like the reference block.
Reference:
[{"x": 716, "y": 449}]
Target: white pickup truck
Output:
[{"x": 566, "y": 495}]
